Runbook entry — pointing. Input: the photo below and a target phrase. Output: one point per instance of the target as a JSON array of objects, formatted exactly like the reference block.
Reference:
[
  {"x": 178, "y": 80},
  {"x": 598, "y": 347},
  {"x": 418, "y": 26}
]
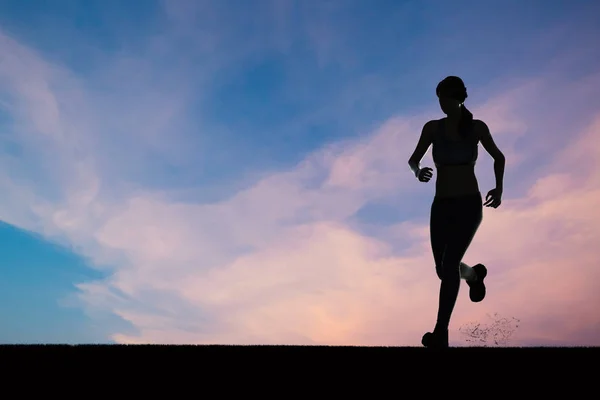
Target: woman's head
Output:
[{"x": 451, "y": 93}]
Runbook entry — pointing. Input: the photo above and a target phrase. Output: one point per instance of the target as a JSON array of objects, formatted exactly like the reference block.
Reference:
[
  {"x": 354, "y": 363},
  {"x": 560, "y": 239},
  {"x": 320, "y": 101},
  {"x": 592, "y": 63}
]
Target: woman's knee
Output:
[
  {"x": 450, "y": 271},
  {"x": 438, "y": 271}
]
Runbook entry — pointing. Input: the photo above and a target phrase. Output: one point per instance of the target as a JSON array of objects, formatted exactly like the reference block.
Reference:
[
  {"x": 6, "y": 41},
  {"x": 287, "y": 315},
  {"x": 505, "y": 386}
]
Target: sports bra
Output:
[{"x": 453, "y": 152}]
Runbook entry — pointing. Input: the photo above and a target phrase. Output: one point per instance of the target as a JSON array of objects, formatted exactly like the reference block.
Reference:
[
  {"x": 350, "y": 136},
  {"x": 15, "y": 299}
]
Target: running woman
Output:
[{"x": 457, "y": 209}]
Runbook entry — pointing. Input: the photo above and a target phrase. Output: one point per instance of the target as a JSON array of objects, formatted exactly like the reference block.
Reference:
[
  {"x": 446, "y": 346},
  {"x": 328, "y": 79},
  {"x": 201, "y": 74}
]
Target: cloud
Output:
[{"x": 280, "y": 263}]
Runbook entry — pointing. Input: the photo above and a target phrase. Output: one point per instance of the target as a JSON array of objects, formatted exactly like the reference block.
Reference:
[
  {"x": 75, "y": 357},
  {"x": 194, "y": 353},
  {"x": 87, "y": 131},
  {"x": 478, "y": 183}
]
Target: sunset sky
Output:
[{"x": 235, "y": 172}]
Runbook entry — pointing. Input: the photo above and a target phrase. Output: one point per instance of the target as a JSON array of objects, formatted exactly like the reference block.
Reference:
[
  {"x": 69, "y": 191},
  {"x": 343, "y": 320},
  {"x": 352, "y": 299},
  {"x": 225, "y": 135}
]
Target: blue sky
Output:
[{"x": 159, "y": 157}]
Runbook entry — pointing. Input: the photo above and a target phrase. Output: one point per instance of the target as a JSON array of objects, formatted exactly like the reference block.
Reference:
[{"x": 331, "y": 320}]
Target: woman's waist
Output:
[
  {"x": 456, "y": 183},
  {"x": 456, "y": 173},
  {"x": 468, "y": 166}
]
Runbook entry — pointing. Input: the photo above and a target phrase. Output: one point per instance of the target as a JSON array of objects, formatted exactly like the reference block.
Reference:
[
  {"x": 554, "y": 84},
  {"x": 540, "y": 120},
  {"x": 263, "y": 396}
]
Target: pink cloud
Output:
[{"x": 323, "y": 282}]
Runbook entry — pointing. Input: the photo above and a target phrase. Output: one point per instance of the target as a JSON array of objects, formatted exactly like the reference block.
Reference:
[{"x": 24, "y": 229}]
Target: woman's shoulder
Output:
[
  {"x": 479, "y": 125},
  {"x": 432, "y": 125},
  {"x": 480, "y": 128},
  {"x": 433, "y": 122}
]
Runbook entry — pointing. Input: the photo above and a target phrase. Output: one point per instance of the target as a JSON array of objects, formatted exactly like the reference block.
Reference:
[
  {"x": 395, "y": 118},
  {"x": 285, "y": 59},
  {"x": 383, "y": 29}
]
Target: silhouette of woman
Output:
[{"x": 457, "y": 209}]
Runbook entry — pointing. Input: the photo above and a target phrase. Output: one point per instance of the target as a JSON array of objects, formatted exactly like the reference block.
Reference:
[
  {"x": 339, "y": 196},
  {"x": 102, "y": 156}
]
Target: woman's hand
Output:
[
  {"x": 425, "y": 174},
  {"x": 493, "y": 198}
]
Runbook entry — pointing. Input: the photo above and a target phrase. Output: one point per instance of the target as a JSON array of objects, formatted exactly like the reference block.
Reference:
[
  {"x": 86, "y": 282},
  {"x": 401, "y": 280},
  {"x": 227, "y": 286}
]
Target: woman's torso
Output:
[{"x": 455, "y": 180}]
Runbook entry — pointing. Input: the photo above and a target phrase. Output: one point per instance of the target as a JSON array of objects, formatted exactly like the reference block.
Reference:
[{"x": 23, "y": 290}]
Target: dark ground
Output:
[
  {"x": 221, "y": 372},
  {"x": 290, "y": 354}
]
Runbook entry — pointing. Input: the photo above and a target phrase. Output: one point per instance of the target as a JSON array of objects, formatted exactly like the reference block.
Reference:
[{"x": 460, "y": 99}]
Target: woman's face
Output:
[{"x": 449, "y": 105}]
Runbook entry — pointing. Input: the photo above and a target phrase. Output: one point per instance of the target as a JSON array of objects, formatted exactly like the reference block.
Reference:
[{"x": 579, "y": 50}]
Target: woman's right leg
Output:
[
  {"x": 438, "y": 233},
  {"x": 440, "y": 228},
  {"x": 449, "y": 272}
]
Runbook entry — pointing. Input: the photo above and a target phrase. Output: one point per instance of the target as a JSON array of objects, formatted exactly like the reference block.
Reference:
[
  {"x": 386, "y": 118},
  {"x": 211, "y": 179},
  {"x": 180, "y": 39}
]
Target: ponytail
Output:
[{"x": 466, "y": 121}]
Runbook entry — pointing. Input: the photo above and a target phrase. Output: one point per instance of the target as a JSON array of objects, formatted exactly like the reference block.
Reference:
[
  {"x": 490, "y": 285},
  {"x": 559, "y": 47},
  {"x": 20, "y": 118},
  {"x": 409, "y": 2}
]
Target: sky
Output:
[{"x": 235, "y": 172}]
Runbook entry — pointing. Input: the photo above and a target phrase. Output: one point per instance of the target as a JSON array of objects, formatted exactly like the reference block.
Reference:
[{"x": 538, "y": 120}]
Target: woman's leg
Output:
[
  {"x": 467, "y": 216},
  {"x": 467, "y": 272},
  {"x": 438, "y": 232},
  {"x": 439, "y": 224}
]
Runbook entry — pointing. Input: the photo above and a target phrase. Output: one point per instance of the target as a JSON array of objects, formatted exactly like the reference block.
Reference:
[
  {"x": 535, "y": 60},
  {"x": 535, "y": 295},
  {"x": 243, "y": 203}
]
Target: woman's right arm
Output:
[{"x": 421, "y": 149}]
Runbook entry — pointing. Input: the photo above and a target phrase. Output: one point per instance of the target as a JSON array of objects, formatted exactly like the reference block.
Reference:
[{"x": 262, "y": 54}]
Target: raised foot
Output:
[{"x": 477, "y": 289}]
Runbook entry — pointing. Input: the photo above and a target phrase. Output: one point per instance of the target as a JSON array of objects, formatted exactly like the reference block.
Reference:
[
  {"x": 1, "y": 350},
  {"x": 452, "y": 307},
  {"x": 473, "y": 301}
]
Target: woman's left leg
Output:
[{"x": 467, "y": 272}]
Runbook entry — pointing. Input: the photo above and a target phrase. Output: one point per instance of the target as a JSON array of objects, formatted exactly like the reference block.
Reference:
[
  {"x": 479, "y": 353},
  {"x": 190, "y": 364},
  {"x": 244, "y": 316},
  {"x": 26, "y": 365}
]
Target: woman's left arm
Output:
[{"x": 485, "y": 137}]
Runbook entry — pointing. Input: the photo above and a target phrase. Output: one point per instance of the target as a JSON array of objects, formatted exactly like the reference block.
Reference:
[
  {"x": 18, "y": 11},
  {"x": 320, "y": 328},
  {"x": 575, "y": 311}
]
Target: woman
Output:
[{"x": 457, "y": 210}]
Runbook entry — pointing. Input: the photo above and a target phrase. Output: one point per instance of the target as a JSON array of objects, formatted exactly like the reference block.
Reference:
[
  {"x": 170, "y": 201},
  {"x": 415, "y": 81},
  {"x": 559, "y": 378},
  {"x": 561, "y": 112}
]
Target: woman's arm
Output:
[
  {"x": 421, "y": 149},
  {"x": 490, "y": 146}
]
